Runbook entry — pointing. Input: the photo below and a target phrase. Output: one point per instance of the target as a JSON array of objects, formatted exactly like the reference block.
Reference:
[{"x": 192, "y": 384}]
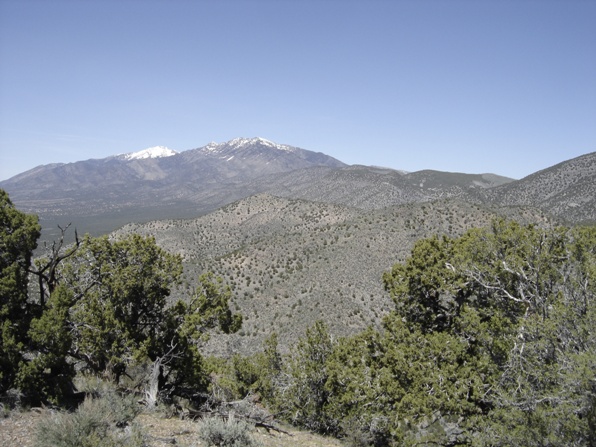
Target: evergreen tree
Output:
[
  {"x": 302, "y": 397},
  {"x": 18, "y": 238},
  {"x": 509, "y": 309},
  {"x": 103, "y": 305}
]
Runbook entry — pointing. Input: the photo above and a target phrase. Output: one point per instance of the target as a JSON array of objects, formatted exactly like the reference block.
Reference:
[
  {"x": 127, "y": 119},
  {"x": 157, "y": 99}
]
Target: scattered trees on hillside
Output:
[{"x": 491, "y": 342}]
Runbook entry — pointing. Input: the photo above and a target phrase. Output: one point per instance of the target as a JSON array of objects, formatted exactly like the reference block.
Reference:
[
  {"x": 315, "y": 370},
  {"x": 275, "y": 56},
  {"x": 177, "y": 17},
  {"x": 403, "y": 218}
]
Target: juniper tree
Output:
[
  {"x": 103, "y": 304},
  {"x": 18, "y": 238}
]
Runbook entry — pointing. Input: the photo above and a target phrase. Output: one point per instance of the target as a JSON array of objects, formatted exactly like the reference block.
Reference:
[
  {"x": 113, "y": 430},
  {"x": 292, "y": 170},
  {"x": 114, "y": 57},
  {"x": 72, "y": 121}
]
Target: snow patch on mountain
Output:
[
  {"x": 240, "y": 143},
  {"x": 152, "y": 152}
]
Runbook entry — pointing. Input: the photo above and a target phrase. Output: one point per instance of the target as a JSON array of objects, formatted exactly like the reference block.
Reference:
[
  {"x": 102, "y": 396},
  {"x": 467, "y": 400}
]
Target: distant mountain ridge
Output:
[
  {"x": 100, "y": 195},
  {"x": 367, "y": 187}
]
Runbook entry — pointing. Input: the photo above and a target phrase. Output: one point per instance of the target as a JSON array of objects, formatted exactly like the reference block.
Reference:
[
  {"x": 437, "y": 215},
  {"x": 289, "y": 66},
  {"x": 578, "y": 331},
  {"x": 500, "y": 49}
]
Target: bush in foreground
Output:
[
  {"x": 228, "y": 432},
  {"x": 97, "y": 422}
]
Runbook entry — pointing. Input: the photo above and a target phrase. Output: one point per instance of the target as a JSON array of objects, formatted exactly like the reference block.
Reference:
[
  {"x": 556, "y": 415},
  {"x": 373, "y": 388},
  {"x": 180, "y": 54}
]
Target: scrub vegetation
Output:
[{"x": 486, "y": 337}]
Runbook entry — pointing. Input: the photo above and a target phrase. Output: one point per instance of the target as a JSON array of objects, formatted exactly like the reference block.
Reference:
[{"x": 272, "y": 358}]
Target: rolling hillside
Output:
[
  {"x": 566, "y": 190},
  {"x": 291, "y": 262}
]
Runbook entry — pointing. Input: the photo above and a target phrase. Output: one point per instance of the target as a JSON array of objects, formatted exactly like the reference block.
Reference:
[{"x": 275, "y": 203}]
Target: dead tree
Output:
[{"x": 46, "y": 269}]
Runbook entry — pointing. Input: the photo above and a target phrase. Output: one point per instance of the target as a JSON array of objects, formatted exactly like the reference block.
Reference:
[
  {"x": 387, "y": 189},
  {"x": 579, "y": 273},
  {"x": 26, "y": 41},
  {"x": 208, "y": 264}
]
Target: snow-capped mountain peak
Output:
[
  {"x": 240, "y": 143},
  {"x": 246, "y": 141},
  {"x": 152, "y": 152}
]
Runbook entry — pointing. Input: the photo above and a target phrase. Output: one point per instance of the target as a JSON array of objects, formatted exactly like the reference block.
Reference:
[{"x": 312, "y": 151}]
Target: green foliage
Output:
[
  {"x": 358, "y": 385},
  {"x": 208, "y": 308},
  {"x": 245, "y": 375},
  {"x": 118, "y": 316},
  {"x": 546, "y": 393},
  {"x": 269, "y": 365},
  {"x": 260, "y": 374},
  {"x": 120, "y": 290},
  {"x": 185, "y": 327},
  {"x": 229, "y": 432},
  {"x": 103, "y": 305},
  {"x": 491, "y": 343},
  {"x": 293, "y": 386},
  {"x": 47, "y": 377},
  {"x": 425, "y": 292},
  {"x": 520, "y": 302},
  {"x": 18, "y": 238},
  {"x": 404, "y": 385},
  {"x": 303, "y": 398}
]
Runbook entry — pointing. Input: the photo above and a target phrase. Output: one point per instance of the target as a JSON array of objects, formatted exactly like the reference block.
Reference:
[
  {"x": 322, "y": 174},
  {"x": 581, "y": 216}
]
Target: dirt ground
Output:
[{"x": 18, "y": 430}]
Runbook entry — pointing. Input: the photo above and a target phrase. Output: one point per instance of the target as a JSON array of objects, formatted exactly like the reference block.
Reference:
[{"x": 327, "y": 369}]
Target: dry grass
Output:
[{"x": 18, "y": 430}]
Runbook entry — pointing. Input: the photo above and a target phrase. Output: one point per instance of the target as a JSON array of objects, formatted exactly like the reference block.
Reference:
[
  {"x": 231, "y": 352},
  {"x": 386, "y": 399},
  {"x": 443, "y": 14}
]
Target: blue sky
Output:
[{"x": 470, "y": 86}]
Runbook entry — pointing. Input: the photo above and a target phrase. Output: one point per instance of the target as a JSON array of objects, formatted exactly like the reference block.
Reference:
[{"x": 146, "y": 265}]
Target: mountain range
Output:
[
  {"x": 298, "y": 235},
  {"x": 100, "y": 195}
]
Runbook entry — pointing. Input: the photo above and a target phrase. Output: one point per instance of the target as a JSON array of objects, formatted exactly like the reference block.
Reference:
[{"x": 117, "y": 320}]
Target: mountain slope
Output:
[
  {"x": 369, "y": 187},
  {"x": 100, "y": 195},
  {"x": 298, "y": 235},
  {"x": 566, "y": 190},
  {"x": 291, "y": 262},
  {"x": 236, "y": 161}
]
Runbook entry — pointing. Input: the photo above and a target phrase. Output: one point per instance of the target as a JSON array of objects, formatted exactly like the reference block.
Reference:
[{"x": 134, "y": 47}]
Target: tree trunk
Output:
[{"x": 152, "y": 389}]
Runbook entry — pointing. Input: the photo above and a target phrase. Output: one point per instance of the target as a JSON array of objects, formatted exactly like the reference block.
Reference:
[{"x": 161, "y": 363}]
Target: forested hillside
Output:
[{"x": 566, "y": 190}]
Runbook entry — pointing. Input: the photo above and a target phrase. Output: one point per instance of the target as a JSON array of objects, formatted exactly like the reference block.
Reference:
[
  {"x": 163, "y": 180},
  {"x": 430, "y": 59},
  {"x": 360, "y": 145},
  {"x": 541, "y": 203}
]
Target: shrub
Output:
[
  {"x": 95, "y": 423},
  {"x": 228, "y": 432}
]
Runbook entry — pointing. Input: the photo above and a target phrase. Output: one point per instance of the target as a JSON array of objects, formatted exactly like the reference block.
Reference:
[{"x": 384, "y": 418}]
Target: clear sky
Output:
[{"x": 472, "y": 86}]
